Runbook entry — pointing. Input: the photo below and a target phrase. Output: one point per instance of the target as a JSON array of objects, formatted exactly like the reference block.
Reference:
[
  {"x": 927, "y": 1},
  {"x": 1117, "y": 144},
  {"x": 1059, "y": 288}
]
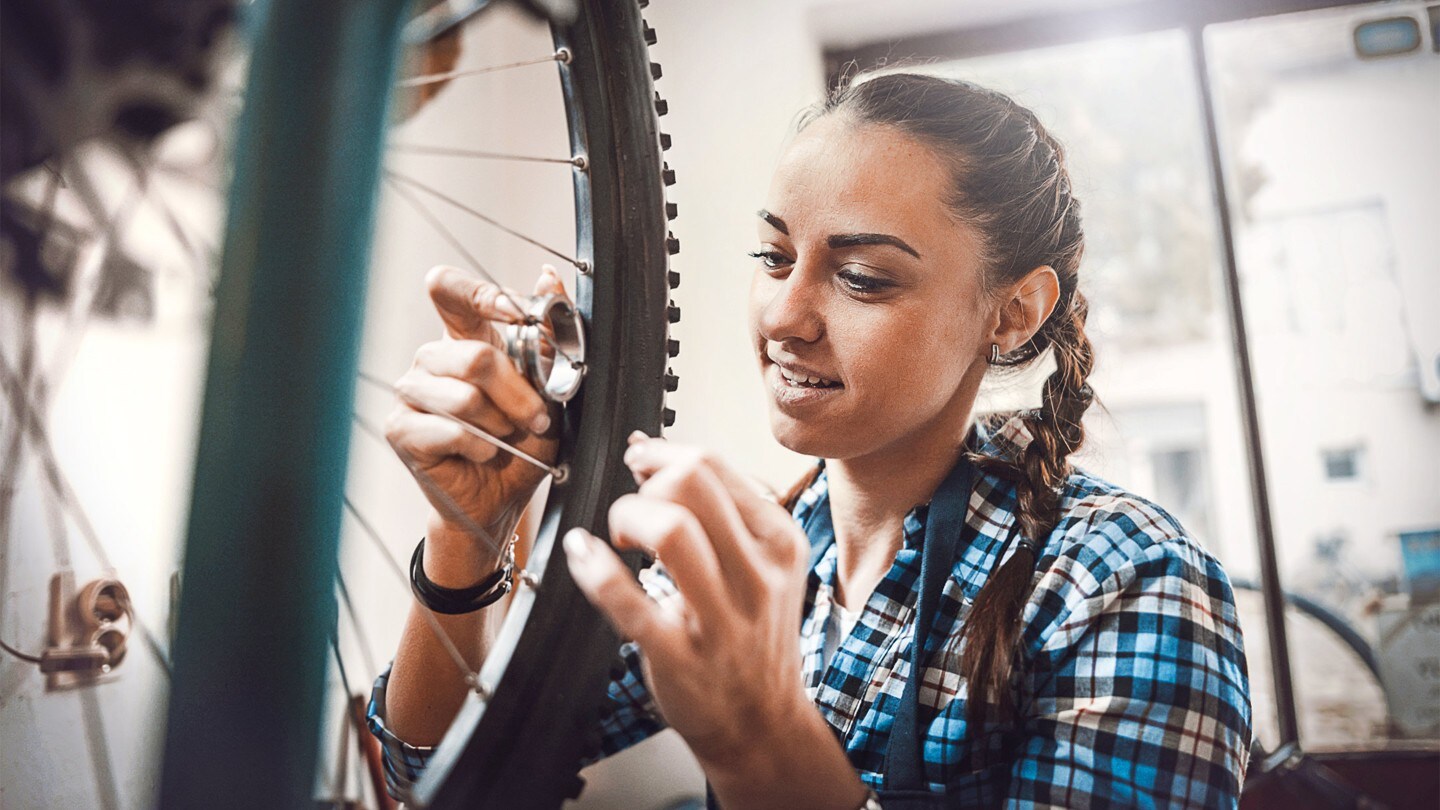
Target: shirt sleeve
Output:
[
  {"x": 404, "y": 763},
  {"x": 1138, "y": 688}
]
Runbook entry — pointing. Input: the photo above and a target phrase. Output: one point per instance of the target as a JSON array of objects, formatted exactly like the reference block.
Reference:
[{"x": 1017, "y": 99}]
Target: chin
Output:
[{"x": 806, "y": 439}]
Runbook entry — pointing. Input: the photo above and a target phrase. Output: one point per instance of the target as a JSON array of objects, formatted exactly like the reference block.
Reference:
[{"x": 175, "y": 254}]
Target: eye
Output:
[
  {"x": 862, "y": 283},
  {"x": 770, "y": 258}
]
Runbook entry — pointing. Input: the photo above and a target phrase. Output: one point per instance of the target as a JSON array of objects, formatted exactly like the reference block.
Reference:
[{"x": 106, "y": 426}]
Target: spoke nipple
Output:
[
  {"x": 583, "y": 267},
  {"x": 581, "y": 163},
  {"x": 561, "y": 474},
  {"x": 472, "y": 680},
  {"x": 578, "y": 366},
  {"x": 563, "y": 56}
]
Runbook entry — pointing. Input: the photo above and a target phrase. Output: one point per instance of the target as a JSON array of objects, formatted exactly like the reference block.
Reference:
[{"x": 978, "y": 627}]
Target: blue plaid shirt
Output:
[{"x": 1134, "y": 689}]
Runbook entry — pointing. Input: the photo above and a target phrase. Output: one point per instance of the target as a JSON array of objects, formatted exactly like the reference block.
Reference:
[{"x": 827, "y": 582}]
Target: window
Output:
[{"x": 1342, "y": 464}]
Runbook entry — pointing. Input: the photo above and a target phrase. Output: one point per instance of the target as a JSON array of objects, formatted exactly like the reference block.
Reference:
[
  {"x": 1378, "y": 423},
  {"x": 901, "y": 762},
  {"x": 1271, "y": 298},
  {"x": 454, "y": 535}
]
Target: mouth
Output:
[
  {"x": 801, "y": 379},
  {"x": 795, "y": 386}
]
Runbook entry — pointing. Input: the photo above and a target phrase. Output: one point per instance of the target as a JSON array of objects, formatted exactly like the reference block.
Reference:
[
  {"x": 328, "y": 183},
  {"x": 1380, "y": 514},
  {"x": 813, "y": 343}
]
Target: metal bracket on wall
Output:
[{"x": 88, "y": 631}]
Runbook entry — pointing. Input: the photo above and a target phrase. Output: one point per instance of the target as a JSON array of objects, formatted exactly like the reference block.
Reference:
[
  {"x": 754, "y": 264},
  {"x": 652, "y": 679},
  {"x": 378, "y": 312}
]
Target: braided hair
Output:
[{"x": 1010, "y": 183}]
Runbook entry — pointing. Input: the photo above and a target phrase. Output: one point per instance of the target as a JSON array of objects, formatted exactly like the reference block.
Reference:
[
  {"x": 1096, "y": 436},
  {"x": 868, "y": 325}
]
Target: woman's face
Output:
[{"x": 866, "y": 305}]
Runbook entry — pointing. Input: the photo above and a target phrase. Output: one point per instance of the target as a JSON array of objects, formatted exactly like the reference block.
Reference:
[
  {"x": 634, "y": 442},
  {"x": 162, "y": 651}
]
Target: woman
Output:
[{"x": 1076, "y": 646}]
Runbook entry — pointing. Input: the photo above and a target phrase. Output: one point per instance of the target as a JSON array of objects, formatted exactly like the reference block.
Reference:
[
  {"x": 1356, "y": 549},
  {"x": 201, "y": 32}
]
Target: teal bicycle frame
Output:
[{"x": 257, "y": 606}]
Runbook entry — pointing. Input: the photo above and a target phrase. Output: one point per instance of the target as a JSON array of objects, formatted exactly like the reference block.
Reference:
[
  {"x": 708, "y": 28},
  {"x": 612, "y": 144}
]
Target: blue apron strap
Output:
[{"x": 904, "y": 762}]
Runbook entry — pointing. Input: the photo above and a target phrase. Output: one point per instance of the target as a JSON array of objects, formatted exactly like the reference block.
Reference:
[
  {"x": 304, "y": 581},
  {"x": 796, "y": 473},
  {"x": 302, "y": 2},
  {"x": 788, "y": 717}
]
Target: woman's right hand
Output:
[{"x": 467, "y": 374}]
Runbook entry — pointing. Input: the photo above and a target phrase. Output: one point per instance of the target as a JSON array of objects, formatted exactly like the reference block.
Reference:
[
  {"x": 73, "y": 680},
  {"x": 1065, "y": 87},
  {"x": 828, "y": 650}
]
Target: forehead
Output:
[{"x": 842, "y": 176}]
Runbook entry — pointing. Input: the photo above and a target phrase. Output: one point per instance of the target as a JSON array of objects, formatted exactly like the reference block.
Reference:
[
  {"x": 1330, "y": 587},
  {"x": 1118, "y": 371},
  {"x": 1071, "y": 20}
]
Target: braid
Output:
[{"x": 992, "y": 629}]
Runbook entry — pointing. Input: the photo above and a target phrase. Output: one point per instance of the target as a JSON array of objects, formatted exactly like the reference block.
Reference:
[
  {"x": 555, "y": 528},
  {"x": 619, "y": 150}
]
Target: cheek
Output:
[
  {"x": 762, "y": 290},
  {"x": 753, "y": 302},
  {"x": 913, "y": 359}
]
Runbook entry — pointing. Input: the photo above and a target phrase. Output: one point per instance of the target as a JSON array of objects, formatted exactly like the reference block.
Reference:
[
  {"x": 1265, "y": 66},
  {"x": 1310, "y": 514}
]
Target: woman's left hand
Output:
[{"x": 723, "y": 660}]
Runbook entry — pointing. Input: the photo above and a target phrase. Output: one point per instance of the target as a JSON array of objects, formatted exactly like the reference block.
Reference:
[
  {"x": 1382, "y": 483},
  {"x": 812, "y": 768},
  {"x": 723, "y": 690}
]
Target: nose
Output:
[{"x": 789, "y": 308}]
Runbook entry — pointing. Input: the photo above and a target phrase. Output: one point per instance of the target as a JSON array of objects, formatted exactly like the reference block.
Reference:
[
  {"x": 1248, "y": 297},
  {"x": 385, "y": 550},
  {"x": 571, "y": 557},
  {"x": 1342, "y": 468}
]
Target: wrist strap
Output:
[{"x": 455, "y": 601}]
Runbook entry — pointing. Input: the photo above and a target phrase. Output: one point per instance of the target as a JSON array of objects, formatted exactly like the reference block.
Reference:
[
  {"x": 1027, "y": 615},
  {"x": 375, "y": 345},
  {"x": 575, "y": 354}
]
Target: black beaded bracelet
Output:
[{"x": 455, "y": 601}]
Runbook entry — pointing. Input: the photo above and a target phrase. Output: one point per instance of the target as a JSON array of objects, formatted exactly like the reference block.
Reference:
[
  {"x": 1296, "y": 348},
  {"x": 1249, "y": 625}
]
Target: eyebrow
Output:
[
  {"x": 845, "y": 240},
  {"x": 775, "y": 222},
  {"x": 854, "y": 239}
]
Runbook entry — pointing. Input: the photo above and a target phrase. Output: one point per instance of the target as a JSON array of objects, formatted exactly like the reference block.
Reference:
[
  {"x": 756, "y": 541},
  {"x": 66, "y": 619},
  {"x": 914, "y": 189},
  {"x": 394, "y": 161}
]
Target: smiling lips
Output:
[{"x": 795, "y": 384}]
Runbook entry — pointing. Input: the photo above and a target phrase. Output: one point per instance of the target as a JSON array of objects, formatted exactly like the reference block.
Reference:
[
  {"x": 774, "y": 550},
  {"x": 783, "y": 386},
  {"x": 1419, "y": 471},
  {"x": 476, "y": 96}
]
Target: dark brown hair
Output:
[{"x": 1010, "y": 183}]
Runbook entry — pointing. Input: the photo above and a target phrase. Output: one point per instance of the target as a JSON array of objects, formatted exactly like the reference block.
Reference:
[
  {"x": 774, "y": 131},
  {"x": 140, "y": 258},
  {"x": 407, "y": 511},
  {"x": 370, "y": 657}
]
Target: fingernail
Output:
[
  {"x": 577, "y": 545},
  {"x": 632, "y": 454},
  {"x": 540, "y": 424},
  {"x": 637, "y": 436}
]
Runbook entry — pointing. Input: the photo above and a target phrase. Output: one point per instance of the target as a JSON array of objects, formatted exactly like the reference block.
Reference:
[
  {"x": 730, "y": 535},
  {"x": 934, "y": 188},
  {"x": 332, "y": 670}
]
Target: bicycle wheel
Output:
[
  {"x": 244, "y": 705},
  {"x": 523, "y": 747},
  {"x": 519, "y": 740}
]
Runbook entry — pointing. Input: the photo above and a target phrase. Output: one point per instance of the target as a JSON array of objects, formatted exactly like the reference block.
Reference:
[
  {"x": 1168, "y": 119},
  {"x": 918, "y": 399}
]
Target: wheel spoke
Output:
[
  {"x": 445, "y": 233},
  {"x": 471, "y": 676},
  {"x": 90, "y": 270},
  {"x": 561, "y": 55},
  {"x": 102, "y": 769},
  {"x": 361, "y": 638},
  {"x": 555, "y": 472},
  {"x": 451, "y": 151},
  {"x": 28, "y": 417},
  {"x": 445, "y": 198},
  {"x": 203, "y": 254},
  {"x": 452, "y": 509},
  {"x": 15, "y": 427},
  {"x": 454, "y": 242},
  {"x": 342, "y": 749}
]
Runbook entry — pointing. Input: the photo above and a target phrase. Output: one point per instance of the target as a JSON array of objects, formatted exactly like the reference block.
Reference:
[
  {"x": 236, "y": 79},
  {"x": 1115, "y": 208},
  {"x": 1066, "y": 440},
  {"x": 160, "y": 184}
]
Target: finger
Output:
[
  {"x": 646, "y": 455},
  {"x": 489, "y": 370},
  {"x": 609, "y": 586},
  {"x": 761, "y": 516},
  {"x": 468, "y": 304},
  {"x": 430, "y": 439},
  {"x": 673, "y": 535},
  {"x": 448, "y": 396},
  {"x": 549, "y": 282},
  {"x": 691, "y": 484},
  {"x": 640, "y": 473}
]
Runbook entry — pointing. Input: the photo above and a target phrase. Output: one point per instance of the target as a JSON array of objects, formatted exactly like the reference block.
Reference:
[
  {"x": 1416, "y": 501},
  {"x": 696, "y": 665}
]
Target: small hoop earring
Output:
[{"x": 994, "y": 353}]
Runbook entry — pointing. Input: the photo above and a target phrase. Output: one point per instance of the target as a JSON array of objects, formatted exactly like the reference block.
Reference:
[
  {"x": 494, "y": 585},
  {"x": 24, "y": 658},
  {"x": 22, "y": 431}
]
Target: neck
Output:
[{"x": 871, "y": 494}]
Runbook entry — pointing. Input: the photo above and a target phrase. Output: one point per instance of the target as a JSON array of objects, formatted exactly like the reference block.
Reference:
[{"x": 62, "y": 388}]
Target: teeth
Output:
[{"x": 801, "y": 379}]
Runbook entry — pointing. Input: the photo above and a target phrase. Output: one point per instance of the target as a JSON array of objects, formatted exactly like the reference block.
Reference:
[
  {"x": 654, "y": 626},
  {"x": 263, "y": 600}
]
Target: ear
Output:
[{"x": 1026, "y": 306}]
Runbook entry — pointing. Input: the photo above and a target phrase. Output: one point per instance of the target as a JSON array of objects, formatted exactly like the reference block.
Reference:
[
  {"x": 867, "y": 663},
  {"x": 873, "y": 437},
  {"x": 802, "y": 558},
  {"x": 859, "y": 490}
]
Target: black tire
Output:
[{"x": 525, "y": 749}]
